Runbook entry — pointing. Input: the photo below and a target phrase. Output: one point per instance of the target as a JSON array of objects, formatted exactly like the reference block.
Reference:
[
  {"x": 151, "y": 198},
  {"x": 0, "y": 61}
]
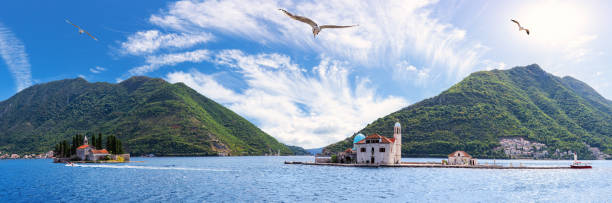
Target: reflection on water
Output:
[{"x": 248, "y": 179}]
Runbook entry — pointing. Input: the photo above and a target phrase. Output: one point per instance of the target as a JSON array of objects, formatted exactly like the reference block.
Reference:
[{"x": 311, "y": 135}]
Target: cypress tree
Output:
[
  {"x": 80, "y": 140},
  {"x": 99, "y": 142},
  {"x": 73, "y": 145},
  {"x": 108, "y": 143},
  {"x": 66, "y": 149},
  {"x": 93, "y": 142},
  {"x": 114, "y": 145},
  {"x": 60, "y": 150},
  {"x": 119, "y": 147}
]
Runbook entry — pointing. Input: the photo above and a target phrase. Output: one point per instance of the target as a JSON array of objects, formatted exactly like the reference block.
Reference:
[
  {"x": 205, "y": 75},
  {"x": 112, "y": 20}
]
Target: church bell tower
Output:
[{"x": 397, "y": 146}]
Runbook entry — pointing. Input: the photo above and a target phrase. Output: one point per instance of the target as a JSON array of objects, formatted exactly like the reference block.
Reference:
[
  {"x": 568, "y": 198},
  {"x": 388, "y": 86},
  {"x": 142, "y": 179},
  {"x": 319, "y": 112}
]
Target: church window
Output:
[
  {"x": 381, "y": 149},
  {"x": 363, "y": 149}
]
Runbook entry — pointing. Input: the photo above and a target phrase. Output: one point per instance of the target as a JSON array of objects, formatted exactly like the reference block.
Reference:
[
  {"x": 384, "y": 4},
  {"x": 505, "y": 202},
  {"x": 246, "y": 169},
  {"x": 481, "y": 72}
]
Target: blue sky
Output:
[{"x": 268, "y": 68}]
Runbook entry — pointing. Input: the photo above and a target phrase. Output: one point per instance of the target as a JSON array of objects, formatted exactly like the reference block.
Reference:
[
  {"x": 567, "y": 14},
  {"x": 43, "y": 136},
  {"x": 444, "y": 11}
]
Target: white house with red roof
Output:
[
  {"x": 461, "y": 158},
  {"x": 377, "y": 149},
  {"x": 87, "y": 153}
]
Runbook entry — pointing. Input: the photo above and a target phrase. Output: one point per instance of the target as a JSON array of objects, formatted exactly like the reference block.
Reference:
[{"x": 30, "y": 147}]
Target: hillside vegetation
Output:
[
  {"x": 149, "y": 115},
  {"x": 563, "y": 113}
]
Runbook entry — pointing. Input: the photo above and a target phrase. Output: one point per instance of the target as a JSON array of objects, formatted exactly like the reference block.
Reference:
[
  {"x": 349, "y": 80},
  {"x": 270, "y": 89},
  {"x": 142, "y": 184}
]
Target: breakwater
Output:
[{"x": 428, "y": 165}]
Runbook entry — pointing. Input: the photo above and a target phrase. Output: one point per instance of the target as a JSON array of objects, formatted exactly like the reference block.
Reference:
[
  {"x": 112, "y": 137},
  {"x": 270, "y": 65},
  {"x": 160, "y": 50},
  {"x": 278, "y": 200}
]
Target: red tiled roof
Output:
[
  {"x": 349, "y": 150},
  {"x": 455, "y": 153},
  {"x": 386, "y": 140},
  {"x": 377, "y": 137},
  {"x": 83, "y": 146},
  {"x": 102, "y": 151}
]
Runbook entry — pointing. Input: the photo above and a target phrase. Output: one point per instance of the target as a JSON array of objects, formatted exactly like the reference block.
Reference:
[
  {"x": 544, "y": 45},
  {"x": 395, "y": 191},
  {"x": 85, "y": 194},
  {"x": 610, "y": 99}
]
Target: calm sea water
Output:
[{"x": 259, "y": 179}]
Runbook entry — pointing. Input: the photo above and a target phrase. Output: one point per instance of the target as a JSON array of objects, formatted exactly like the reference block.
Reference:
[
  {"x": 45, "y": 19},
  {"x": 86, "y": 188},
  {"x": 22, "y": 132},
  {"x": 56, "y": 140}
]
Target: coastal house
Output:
[
  {"x": 461, "y": 158},
  {"x": 348, "y": 156},
  {"x": 86, "y": 152},
  {"x": 377, "y": 149}
]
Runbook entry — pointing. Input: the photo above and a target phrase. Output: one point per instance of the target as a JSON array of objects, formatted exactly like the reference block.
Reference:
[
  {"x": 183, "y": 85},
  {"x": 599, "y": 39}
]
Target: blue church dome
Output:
[
  {"x": 358, "y": 138},
  {"x": 397, "y": 124}
]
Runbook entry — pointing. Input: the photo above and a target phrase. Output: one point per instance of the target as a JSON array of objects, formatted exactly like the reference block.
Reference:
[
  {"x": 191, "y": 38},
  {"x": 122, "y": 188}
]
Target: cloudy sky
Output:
[{"x": 270, "y": 69}]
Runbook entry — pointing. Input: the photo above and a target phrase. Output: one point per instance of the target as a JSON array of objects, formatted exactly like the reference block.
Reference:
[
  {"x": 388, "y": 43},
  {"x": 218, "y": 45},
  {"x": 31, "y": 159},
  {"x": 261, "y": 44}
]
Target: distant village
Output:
[
  {"x": 6, "y": 155},
  {"x": 520, "y": 148}
]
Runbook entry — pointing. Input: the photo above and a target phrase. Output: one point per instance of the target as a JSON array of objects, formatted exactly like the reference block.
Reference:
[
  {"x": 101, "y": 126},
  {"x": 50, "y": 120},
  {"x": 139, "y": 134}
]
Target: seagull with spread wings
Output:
[
  {"x": 521, "y": 28},
  {"x": 81, "y": 31},
  {"x": 315, "y": 28}
]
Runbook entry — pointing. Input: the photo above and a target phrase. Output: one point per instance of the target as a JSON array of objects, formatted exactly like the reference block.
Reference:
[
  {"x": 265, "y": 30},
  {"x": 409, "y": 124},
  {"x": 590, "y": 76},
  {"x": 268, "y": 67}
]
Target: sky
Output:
[{"x": 268, "y": 68}]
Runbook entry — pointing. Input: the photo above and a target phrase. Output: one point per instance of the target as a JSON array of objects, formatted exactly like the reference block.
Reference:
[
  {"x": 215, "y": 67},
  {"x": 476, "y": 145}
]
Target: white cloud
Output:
[
  {"x": 205, "y": 85},
  {"x": 576, "y": 50},
  {"x": 155, "y": 62},
  {"x": 316, "y": 106},
  {"x": 404, "y": 70},
  {"x": 147, "y": 42},
  {"x": 14, "y": 55},
  {"x": 97, "y": 69},
  {"x": 492, "y": 65},
  {"x": 389, "y": 31},
  {"x": 306, "y": 108}
]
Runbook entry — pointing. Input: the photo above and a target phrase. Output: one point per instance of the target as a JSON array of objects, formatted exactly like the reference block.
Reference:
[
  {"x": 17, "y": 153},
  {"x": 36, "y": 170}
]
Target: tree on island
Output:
[
  {"x": 93, "y": 142},
  {"x": 99, "y": 141},
  {"x": 62, "y": 149},
  {"x": 66, "y": 150},
  {"x": 114, "y": 145}
]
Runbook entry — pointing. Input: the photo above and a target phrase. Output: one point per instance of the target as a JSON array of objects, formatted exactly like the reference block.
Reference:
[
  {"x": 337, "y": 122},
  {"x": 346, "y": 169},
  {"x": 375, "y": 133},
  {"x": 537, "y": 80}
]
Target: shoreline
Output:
[{"x": 427, "y": 165}]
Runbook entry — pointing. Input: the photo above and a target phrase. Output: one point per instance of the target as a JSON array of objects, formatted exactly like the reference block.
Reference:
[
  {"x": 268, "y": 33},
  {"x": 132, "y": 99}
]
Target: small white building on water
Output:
[
  {"x": 377, "y": 149},
  {"x": 461, "y": 158}
]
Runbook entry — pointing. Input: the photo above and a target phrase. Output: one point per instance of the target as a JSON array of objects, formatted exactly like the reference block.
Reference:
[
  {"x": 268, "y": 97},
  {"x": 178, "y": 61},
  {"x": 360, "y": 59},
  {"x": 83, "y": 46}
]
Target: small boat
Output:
[{"x": 580, "y": 165}]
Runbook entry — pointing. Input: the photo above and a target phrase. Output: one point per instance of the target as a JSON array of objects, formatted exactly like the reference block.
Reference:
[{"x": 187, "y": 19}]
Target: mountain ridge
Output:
[
  {"x": 149, "y": 114},
  {"x": 472, "y": 115}
]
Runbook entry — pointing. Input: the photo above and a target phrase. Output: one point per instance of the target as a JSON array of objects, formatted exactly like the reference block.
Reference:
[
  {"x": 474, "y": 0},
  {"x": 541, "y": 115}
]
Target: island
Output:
[
  {"x": 379, "y": 151},
  {"x": 80, "y": 151}
]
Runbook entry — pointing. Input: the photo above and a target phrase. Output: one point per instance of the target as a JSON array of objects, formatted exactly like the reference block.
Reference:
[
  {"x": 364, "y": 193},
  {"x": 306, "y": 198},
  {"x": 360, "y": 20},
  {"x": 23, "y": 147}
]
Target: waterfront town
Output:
[
  {"x": 520, "y": 148},
  {"x": 6, "y": 155}
]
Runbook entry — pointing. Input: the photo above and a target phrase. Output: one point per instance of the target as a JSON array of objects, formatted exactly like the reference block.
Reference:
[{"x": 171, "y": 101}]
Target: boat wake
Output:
[{"x": 148, "y": 167}]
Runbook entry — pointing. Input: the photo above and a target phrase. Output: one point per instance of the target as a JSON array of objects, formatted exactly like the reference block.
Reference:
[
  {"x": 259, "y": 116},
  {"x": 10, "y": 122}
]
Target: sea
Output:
[{"x": 268, "y": 179}]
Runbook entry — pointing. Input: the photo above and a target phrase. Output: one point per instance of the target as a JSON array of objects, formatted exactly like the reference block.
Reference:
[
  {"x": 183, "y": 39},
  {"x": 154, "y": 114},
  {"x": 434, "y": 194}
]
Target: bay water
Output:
[{"x": 268, "y": 179}]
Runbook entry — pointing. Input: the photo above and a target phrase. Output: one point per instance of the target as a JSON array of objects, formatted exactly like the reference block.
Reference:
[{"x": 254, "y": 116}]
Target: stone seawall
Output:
[{"x": 428, "y": 165}]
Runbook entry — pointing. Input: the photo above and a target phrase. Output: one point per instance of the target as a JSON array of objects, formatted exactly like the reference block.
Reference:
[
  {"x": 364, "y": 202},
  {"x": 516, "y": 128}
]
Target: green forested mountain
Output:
[
  {"x": 563, "y": 113},
  {"x": 148, "y": 115}
]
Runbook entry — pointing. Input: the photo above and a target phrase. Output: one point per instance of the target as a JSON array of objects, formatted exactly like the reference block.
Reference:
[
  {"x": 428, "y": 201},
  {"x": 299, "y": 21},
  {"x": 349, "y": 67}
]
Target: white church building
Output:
[{"x": 377, "y": 149}]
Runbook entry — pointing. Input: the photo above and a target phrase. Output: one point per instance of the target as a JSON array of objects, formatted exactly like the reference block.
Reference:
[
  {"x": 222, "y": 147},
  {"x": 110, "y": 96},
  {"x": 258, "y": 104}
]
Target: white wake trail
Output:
[{"x": 149, "y": 167}]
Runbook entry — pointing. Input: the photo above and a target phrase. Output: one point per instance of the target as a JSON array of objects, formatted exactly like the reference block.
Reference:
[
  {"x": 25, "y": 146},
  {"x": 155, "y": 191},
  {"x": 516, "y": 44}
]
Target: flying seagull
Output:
[
  {"x": 315, "y": 28},
  {"x": 81, "y": 31},
  {"x": 521, "y": 28}
]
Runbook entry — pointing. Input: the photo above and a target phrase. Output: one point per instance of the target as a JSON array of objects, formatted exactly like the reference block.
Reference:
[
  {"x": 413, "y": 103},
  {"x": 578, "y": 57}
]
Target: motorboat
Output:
[{"x": 580, "y": 165}]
